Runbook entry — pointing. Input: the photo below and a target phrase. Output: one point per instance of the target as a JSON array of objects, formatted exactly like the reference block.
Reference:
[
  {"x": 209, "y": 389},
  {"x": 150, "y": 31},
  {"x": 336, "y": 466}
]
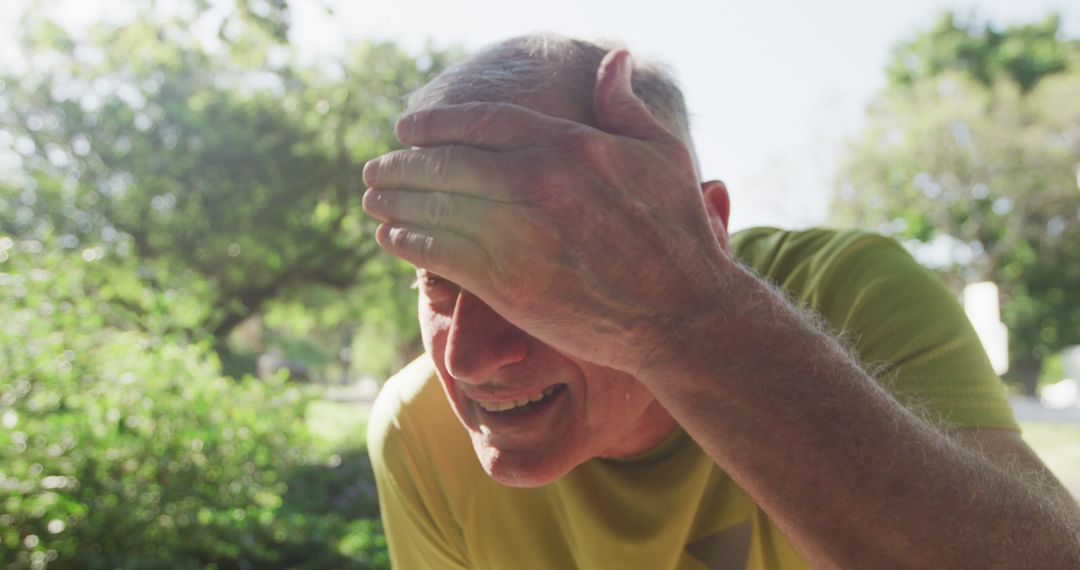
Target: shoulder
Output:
[
  {"x": 806, "y": 263},
  {"x": 397, "y": 394},
  {"x": 898, "y": 316},
  {"x": 392, "y": 406},
  {"x": 411, "y": 410},
  {"x": 424, "y": 469},
  {"x": 773, "y": 250},
  {"x": 413, "y": 433},
  {"x": 862, "y": 283}
]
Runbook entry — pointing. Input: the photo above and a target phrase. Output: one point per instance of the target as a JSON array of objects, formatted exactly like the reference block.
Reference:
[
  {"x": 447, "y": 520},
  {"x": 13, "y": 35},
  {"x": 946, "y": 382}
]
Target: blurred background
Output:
[{"x": 196, "y": 318}]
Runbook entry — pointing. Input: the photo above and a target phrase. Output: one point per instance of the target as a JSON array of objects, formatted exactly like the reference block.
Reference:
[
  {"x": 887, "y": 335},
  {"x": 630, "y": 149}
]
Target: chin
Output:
[{"x": 522, "y": 469}]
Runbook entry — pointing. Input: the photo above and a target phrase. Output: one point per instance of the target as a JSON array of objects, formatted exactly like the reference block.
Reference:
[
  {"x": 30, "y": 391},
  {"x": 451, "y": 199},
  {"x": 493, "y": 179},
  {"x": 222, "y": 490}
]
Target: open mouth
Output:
[{"x": 522, "y": 405}]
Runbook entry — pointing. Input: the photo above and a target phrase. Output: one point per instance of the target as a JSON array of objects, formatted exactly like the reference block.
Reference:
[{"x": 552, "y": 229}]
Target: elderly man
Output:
[{"x": 637, "y": 391}]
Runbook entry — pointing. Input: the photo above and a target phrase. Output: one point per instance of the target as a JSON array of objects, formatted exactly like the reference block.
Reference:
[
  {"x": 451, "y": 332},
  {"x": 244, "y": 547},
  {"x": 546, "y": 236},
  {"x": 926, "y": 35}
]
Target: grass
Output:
[{"x": 1059, "y": 447}]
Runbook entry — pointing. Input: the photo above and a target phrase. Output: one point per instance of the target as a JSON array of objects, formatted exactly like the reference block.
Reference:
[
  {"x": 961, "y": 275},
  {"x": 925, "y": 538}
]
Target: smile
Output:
[{"x": 520, "y": 403}]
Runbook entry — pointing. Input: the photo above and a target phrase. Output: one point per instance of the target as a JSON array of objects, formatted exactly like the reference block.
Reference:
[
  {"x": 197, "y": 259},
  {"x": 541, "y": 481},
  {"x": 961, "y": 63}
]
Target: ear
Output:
[{"x": 718, "y": 203}]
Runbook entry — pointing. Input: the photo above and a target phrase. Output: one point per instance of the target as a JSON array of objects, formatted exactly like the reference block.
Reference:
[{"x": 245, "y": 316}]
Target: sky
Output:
[{"x": 775, "y": 87}]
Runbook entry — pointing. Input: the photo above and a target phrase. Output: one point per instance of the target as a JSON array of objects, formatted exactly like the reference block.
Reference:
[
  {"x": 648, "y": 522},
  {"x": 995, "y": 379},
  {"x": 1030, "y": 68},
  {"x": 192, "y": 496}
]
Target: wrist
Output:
[
  {"x": 746, "y": 328},
  {"x": 671, "y": 344}
]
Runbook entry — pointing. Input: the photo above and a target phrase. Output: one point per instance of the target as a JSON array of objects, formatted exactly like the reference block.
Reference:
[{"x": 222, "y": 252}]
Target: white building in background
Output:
[
  {"x": 983, "y": 310},
  {"x": 1066, "y": 393}
]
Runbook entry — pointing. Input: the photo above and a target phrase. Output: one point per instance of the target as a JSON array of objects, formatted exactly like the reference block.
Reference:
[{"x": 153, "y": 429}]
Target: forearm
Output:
[{"x": 850, "y": 475}]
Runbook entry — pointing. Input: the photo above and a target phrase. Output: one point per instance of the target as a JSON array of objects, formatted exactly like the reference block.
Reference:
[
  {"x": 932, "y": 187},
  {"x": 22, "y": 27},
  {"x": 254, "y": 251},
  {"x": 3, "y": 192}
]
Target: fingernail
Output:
[
  {"x": 628, "y": 69},
  {"x": 368, "y": 199},
  {"x": 371, "y": 168},
  {"x": 404, "y": 128}
]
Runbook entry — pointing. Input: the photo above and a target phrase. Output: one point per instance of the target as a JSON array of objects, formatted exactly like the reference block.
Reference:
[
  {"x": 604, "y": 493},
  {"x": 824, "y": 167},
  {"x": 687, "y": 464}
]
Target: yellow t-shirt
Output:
[{"x": 671, "y": 507}]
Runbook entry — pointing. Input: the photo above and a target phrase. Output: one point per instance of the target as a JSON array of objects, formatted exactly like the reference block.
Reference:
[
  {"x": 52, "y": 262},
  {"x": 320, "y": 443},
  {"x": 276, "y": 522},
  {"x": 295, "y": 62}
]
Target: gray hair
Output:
[{"x": 529, "y": 66}]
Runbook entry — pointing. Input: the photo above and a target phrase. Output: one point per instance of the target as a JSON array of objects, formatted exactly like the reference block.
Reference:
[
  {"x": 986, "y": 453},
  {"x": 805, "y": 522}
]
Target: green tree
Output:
[
  {"x": 210, "y": 157},
  {"x": 975, "y": 145},
  {"x": 1024, "y": 54}
]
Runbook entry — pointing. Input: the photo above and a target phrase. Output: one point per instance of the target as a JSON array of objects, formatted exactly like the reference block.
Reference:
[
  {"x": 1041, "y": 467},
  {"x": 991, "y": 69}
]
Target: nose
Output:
[{"x": 480, "y": 342}]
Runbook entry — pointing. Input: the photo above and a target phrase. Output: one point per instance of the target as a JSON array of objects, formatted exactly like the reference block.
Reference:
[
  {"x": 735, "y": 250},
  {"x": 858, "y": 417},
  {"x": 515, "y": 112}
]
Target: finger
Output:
[
  {"x": 439, "y": 210},
  {"x": 491, "y": 126},
  {"x": 455, "y": 169},
  {"x": 618, "y": 110},
  {"x": 443, "y": 252}
]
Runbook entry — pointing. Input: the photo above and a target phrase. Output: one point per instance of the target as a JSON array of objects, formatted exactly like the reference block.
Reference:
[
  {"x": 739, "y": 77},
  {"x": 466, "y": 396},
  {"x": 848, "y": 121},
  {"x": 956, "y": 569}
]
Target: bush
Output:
[
  {"x": 1053, "y": 370},
  {"x": 121, "y": 447}
]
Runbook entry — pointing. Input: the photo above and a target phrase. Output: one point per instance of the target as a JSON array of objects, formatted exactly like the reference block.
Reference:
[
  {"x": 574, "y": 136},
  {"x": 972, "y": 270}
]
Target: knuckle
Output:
[
  {"x": 586, "y": 144},
  {"x": 429, "y": 249},
  {"x": 480, "y": 117},
  {"x": 391, "y": 165},
  {"x": 398, "y": 238},
  {"x": 441, "y": 160},
  {"x": 498, "y": 111},
  {"x": 385, "y": 202},
  {"x": 592, "y": 149},
  {"x": 486, "y": 118},
  {"x": 436, "y": 209}
]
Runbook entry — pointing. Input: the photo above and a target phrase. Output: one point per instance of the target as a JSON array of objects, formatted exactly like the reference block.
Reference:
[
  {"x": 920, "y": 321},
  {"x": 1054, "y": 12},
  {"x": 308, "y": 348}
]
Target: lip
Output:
[
  {"x": 515, "y": 404},
  {"x": 500, "y": 397},
  {"x": 519, "y": 427}
]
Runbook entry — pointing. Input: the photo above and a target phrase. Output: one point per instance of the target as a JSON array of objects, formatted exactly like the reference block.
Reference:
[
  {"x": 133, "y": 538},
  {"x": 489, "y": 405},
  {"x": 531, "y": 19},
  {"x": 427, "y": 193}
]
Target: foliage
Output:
[
  {"x": 159, "y": 186},
  {"x": 230, "y": 161},
  {"x": 122, "y": 448},
  {"x": 1024, "y": 54},
  {"x": 1053, "y": 370},
  {"x": 375, "y": 325},
  {"x": 972, "y": 154}
]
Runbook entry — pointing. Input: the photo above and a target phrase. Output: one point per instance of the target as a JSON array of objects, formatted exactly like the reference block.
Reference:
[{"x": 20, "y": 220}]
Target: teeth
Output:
[{"x": 509, "y": 405}]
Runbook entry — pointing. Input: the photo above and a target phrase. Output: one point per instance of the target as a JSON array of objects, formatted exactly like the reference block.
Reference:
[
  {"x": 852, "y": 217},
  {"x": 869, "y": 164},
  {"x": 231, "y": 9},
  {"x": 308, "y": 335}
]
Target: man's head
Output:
[
  {"x": 532, "y": 412},
  {"x": 551, "y": 74}
]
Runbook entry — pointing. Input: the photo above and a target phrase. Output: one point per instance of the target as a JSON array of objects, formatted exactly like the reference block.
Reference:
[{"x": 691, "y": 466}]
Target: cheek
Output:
[
  {"x": 434, "y": 327},
  {"x": 612, "y": 397}
]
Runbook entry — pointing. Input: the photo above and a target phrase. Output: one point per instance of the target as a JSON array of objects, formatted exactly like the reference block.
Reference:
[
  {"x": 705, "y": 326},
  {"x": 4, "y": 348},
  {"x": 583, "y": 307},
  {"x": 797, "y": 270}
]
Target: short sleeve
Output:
[
  {"x": 911, "y": 330},
  {"x": 905, "y": 324}
]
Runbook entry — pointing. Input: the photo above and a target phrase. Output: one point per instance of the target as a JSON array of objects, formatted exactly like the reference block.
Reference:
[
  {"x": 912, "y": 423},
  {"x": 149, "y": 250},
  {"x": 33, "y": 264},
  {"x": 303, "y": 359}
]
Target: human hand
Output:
[{"x": 594, "y": 241}]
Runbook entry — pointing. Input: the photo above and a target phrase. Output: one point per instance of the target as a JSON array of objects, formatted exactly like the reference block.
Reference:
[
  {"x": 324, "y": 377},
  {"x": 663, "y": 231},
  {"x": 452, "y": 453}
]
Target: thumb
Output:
[{"x": 618, "y": 110}]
